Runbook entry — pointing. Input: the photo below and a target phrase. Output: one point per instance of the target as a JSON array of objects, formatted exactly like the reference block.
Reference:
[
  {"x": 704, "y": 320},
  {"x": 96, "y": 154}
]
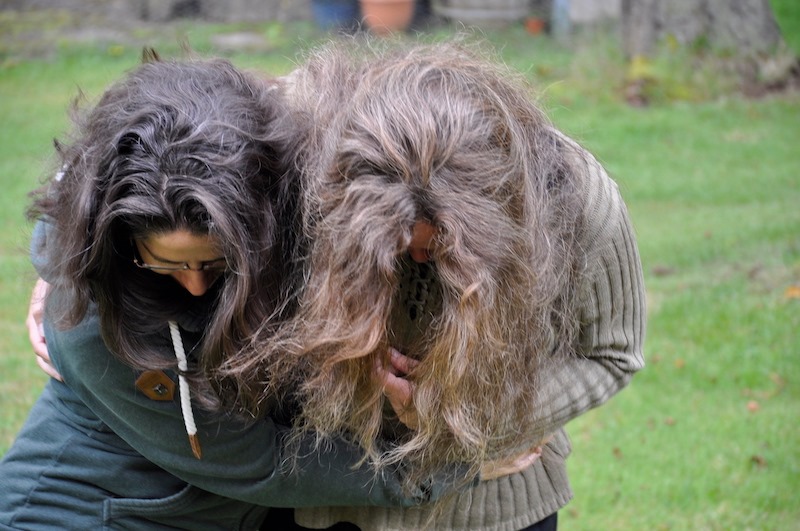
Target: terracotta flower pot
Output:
[
  {"x": 534, "y": 25},
  {"x": 383, "y": 17}
]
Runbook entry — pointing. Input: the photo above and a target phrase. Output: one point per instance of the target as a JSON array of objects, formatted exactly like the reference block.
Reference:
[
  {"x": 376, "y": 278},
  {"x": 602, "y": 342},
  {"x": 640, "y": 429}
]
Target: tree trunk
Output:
[{"x": 743, "y": 26}]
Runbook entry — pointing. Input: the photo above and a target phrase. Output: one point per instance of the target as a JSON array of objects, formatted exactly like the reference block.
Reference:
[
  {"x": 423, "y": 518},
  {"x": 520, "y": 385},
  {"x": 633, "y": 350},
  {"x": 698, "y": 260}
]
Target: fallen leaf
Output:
[
  {"x": 680, "y": 363},
  {"x": 663, "y": 271},
  {"x": 777, "y": 379},
  {"x": 617, "y": 452},
  {"x": 669, "y": 421},
  {"x": 639, "y": 68},
  {"x": 759, "y": 461},
  {"x": 792, "y": 292}
]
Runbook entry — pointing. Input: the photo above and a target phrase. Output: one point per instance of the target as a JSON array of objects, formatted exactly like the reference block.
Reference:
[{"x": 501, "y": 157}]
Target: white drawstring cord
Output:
[{"x": 186, "y": 399}]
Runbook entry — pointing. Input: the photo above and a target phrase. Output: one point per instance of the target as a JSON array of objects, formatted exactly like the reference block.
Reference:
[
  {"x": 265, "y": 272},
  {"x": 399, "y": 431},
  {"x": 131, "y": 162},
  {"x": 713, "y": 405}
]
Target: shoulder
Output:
[{"x": 605, "y": 215}]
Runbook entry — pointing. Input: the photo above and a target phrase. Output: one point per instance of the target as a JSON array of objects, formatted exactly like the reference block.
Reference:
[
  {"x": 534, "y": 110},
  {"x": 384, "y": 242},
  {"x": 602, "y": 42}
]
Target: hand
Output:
[
  {"x": 510, "y": 465},
  {"x": 398, "y": 389},
  {"x": 36, "y": 329}
]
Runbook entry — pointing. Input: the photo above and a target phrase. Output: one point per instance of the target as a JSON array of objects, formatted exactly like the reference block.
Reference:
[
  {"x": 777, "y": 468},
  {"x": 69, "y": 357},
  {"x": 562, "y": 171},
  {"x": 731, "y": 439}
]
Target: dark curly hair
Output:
[{"x": 192, "y": 144}]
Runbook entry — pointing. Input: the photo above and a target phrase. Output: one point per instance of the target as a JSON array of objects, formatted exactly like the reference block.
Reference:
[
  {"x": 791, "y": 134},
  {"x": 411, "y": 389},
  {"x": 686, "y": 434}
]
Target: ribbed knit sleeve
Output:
[{"x": 612, "y": 299}]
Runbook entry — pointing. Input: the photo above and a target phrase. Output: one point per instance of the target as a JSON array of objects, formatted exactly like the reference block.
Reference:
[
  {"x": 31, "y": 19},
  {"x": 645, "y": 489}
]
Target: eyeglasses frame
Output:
[{"x": 212, "y": 266}]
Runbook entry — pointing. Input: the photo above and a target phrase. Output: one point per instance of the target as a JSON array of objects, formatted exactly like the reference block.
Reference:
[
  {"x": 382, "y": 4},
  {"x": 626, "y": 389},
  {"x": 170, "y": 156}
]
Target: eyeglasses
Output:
[{"x": 218, "y": 265}]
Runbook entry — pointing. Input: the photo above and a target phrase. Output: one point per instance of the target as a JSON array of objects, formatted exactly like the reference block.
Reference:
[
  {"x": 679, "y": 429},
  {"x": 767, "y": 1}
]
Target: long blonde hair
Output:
[{"x": 434, "y": 132}]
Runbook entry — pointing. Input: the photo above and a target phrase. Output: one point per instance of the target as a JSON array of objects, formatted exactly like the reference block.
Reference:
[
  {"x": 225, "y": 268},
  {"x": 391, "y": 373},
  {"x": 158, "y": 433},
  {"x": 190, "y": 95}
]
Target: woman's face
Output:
[{"x": 193, "y": 260}]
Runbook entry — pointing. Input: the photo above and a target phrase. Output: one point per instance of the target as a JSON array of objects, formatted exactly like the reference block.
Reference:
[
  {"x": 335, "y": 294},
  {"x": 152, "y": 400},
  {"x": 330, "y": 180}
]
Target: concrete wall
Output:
[
  {"x": 227, "y": 10},
  {"x": 580, "y": 11},
  {"x": 588, "y": 11}
]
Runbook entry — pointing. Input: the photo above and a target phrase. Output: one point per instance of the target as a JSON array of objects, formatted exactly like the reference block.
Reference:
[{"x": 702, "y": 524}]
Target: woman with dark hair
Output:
[
  {"x": 481, "y": 257},
  {"x": 166, "y": 241},
  {"x": 191, "y": 152}
]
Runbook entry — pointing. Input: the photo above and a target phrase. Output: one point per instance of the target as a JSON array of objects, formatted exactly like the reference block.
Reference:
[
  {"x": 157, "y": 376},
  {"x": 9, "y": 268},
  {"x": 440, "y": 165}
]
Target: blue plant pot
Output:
[{"x": 336, "y": 14}]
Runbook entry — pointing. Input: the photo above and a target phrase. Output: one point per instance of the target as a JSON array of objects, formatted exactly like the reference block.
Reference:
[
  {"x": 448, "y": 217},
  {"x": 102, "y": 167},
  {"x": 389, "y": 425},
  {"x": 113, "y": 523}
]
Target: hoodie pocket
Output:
[{"x": 190, "y": 508}]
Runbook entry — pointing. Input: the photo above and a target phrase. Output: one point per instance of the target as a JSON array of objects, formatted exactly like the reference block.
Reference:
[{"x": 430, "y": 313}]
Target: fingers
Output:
[
  {"x": 524, "y": 461},
  {"x": 36, "y": 329},
  {"x": 510, "y": 465},
  {"x": 34, "y": 319},
  {"x": 398, "y": 390},
  {"x": 48, "y": 369},
  {"x": 402, "y": 364},
  {"x": 36, "y": 337}
]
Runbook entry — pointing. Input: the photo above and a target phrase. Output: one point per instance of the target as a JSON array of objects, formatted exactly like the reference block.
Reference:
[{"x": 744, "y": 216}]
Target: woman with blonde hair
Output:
[{"x": 482, "y": 260}]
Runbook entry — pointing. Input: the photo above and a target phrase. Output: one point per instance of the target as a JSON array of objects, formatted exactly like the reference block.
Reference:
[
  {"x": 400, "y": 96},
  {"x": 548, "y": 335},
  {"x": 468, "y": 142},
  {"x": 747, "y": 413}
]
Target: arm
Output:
[
  {"x": 613, "y": 313},
  {"x": 35, "y": 318},
  {"x": 35, "y": 325},
  {"x": 247, "y": 463}
]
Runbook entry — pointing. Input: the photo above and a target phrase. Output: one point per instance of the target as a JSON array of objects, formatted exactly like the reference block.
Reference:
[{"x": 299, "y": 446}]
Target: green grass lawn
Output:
[{"x": 707, "y": 436}]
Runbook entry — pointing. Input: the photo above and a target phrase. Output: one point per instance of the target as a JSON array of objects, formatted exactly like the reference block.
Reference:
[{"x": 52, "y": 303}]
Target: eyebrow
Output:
[{"x": 173, "y": 262}]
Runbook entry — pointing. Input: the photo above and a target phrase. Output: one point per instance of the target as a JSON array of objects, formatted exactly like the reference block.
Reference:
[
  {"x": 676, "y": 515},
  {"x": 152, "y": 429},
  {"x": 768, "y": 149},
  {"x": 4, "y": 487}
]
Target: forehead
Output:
[{"x": 182, "y": 246}]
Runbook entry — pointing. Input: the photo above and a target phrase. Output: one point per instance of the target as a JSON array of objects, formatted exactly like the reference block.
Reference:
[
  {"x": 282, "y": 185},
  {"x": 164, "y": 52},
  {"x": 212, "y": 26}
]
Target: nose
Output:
[
  {"x": 419, "y": 255},
  {"x": 195, "y": 282},
  {"x": 422, "y": 241}
]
